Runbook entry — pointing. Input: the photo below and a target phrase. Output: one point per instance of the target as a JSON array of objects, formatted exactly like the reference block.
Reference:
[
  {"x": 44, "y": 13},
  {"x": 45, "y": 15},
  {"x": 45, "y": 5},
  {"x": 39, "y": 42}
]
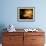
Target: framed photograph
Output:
[{"x": 26, "y": 14}]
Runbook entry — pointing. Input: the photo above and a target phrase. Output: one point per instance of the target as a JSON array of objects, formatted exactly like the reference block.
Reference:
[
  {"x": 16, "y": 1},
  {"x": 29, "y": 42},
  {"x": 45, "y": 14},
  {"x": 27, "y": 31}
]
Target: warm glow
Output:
[{"x": 28, "y": 13}]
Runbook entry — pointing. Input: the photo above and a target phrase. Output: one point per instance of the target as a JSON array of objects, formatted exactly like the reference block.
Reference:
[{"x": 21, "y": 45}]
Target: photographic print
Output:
[{"x": 26, "y": 14}]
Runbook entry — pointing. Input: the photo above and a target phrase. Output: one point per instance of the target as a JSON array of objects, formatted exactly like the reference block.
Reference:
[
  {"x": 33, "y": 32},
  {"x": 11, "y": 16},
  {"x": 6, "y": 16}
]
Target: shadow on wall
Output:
[{"x": 2, "y": 26}]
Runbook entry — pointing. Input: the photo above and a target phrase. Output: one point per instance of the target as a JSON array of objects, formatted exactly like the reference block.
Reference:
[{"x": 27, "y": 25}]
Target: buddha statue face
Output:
[{"x": 28, "y": 13}]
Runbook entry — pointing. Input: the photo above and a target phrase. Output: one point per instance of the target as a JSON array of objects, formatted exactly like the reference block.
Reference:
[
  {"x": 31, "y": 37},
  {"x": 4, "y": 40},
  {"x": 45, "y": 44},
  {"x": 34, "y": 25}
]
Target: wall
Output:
[{"x": 8, "y": 13}]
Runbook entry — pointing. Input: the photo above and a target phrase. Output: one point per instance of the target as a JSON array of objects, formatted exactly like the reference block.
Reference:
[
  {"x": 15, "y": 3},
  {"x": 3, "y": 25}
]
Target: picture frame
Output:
[{"x": 26, "y": 14}]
